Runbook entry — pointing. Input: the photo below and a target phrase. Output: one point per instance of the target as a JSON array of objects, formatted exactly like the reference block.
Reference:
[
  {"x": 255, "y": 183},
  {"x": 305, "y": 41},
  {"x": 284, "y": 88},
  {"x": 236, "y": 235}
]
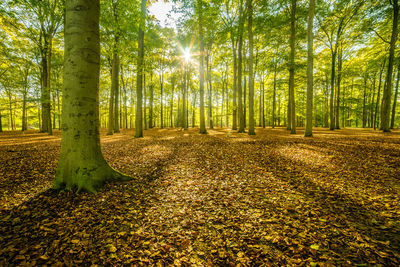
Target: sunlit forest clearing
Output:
[{"x": 199, "y": 133}]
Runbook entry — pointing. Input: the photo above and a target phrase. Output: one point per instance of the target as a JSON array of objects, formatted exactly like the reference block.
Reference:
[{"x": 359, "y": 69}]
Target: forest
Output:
[{"x": 199, "y": 133}]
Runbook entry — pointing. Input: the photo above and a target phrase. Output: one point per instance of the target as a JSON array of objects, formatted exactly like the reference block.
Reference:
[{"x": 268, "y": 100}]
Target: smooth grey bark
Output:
[
  {"x": 310, "y": 69},
  {"x": 81, "y": 164}
]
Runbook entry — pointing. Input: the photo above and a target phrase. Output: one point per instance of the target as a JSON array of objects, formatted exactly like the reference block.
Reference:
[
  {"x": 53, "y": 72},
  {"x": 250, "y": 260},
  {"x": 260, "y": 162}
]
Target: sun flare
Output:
[{"x": 187, "y": 55}]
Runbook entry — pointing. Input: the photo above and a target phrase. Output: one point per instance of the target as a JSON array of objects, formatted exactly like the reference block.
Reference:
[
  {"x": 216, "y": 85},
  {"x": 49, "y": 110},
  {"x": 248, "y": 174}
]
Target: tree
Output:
[
  {"x": 251, "y": 75},
  {"x": 139, "y": 79},
  {"x": 201, "y": 67},
  {"x": 387, "y": 91},
  {"x": 310, "y": 69},
  {"x": 292, "y": 106},
  {"x": 81, "y": 164}
]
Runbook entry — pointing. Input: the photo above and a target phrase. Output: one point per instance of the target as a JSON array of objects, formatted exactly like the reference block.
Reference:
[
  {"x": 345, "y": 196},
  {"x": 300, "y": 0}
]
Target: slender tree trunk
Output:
[
  {"x": 310, "y": 69},
  {"x": 251, "y": 75},
  {"x": 387, "y": 93},
  {"x": 263, "y": 101},
  {"x": 115, "y": 89},
  {"x": 331, "y": 106},
  {"x": 364, "y": 99},
  {"x": 144, "y": 102},
  {"x": 274, "y": 95},
  {"x": 151, "y": 124},
  {"x": 81, "y": 164},
  {"x": 162, "y": 99},
  {"x": 184, "y": 103},
  {"x": 139, "y": 79},
  {"x": 234, "y": 110},
  {"x": 110, "y": 130},
  {"x": 339, "y": 77},
  {"x": 210, "y": 111},
  {"x": 239, "y": 78},
  {"x": 371, "y": 106},
  {"x": 45, "y": 92},
  {"x": 171, "y": 117},
  {"x": 200, "y": 22},
  {"x": 395, "y": 100},
  {"x": 379, "y": 92},
  {"x": 292, "y": 68}
]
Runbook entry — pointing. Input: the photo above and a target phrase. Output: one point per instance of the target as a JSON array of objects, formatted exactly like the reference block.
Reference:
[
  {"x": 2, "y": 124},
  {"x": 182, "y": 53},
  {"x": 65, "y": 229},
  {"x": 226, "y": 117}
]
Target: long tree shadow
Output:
[
  {"x": 364, "y": 225},
  {"x": 79, "y": 229}
]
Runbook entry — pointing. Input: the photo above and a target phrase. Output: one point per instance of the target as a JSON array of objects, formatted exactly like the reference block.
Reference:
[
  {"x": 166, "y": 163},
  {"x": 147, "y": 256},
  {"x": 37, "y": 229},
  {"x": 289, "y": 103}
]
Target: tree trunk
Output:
[
  {"x": 387, "y": 93},
  {"x": 239, "y": 77},
  {"x": 274, "y": 95},
  {"x": 200, "y": 22},
  {"x": 395, "y": 100},
  {"x": 379, "y": 93},
  {"x": 184, "y": 103},
  {"x": 310, "y": 69},
  {"x": 139, "y": 79},
  {"x": 234, "y": 110},
  {"x": 210, "y": 113},
  {"x": 151, "y": 124},
  {"x": 45, "y": 93},
  {"x": 110, "y": 130},
  {"x": 292, "y": 68},
  {"x": 364, "y": 97},
  {"x": 115, "y": 89},
  {"x": 339, "y": 77},
  {"x": 331, "y": 106},
  {"x": 251, "y": 75},
  {"x": 81, "y": 164},
  {"x": 161, "y": 99},
  {"x": 171, "y": 117}
]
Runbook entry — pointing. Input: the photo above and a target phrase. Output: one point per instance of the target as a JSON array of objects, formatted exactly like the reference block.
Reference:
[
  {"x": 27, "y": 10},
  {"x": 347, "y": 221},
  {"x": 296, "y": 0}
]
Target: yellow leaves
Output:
[
  {"x": 314, "y": 246},
  {"x": 111, "y": 248}
]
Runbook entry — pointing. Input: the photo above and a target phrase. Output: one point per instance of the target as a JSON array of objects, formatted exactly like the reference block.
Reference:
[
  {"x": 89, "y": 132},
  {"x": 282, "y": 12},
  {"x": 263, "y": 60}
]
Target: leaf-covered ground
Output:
[{"x": 222, "y": 199}]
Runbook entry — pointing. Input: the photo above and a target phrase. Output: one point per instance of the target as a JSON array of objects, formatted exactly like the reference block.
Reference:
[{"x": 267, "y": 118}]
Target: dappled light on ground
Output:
[{"x": 218, "y": 199}]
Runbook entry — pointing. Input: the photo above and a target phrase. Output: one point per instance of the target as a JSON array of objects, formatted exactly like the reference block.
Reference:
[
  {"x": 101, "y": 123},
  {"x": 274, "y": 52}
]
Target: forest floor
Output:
[{"x": 224, "y": 199}]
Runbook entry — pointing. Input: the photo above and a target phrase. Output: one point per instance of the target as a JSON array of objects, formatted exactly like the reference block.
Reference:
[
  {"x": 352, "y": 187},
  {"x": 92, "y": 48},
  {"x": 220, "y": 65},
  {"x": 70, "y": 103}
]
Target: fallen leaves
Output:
[{"x": 224, "y": 199}]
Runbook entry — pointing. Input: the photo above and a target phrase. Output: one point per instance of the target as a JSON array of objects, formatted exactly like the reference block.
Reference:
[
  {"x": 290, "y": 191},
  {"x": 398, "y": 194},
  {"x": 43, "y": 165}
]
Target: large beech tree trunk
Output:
[{"x": 81, "y": 164}]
